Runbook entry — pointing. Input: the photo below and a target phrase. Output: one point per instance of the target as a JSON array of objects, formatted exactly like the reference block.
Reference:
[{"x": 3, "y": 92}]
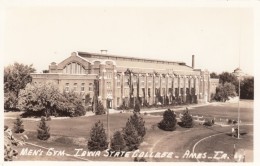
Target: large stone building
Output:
[{"x": 121, "y": 80}]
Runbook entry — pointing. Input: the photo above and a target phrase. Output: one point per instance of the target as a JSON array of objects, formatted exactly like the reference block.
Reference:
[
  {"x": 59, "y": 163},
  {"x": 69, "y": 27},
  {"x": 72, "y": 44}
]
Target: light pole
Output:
[{"x": 238, "y": 72}]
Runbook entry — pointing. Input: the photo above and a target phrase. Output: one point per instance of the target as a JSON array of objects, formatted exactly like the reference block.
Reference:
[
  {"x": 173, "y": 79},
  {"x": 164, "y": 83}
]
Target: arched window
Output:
[{"x": 74, "y": 68}]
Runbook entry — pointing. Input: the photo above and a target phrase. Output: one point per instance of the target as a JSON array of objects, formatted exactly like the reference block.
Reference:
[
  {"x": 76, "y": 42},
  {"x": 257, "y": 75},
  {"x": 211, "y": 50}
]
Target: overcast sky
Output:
[{"x": 215, "y": 35}]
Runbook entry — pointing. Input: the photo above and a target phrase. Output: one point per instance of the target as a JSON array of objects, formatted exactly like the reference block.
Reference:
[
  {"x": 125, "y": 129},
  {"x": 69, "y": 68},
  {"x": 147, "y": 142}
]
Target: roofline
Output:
[{"x": 130, "y": 57}]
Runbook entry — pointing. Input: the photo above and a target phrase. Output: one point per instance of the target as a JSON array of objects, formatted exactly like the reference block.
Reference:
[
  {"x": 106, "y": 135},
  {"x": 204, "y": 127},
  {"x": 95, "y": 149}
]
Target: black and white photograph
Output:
[{"x": 122, "y": 81}]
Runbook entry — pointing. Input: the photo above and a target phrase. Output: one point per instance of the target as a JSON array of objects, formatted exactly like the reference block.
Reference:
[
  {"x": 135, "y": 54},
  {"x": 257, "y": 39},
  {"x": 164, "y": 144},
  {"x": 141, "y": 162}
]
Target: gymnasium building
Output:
[{"x": 120, "y": 80}]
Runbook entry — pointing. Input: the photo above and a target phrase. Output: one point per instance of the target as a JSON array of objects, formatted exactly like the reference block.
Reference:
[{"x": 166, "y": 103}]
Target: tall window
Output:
[
  {"x": 156, "y": 82},
  {"x": 109, "y": 75},
  {"x": 75, "y": 87},
  {"x": 127, "y": 79},
  {"x": 118, "y": 81},
  {"x": 142, "y": 82},
  {"x": 109, "y": 85},
  {"x": 74, "y": 68},
  {"x": 135, "y": 81},
  {"x": 82, "y": 87},
  {"x": 90, "y": 87},
  {"x": 67, "y": 87}
]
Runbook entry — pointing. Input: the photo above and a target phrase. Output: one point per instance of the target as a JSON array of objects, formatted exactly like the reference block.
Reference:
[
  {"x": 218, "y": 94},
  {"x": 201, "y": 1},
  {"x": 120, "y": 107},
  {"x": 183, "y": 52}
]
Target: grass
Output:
[{"x": 71, "y": 133}]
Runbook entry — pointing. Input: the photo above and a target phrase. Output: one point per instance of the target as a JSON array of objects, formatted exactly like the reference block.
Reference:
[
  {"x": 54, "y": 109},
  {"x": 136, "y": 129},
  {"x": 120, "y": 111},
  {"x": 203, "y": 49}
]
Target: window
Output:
[
  {"x": 135, "y": 81},
  {"x": 75, "y": 87},
  {"x": 118, "y": 81},
  {"x": 82, "y": 87},
  {"x": 108, "y": 85},
  {"x": 126, "y": 81},
  {"x": 67, "y": 87},
  {"x": 90, "y": 87},
  {"x": 109, "y": 75},
  {"x": 169, "y": 83},
  {"x": 142, "y": 82}
]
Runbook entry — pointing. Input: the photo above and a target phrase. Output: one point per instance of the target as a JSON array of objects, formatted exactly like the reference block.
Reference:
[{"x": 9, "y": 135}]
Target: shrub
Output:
[
  {"x": 208, "y": 123},
  {"x": 118, "y": 142},
  {"x": 229, "y": 121},
  {"x": 139, "y": 124},
  {"x": 98, "y": 138},
  {"x": 131, "y": 137},
  {"x": 100, "y": 109},
  {"x": 187, "y": 120},
  {"x": 139, "y": 160},
  {"x": 18, "y": 125},
  {"x": 9, "y": 143},
  {"x": 137, "y": 107},
  {"x": 43, "y": 130},
  {"x": 169, "y": 121}
]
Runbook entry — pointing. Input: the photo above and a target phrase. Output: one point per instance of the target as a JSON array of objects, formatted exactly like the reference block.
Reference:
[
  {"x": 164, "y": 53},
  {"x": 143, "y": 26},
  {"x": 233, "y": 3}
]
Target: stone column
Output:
[{"x": 153, "y": 89}]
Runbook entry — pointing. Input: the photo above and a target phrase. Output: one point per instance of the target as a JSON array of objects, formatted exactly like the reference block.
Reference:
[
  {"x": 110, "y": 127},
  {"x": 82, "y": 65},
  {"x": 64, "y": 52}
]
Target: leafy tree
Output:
[
  {"x": 98, "y": 138},
  {"x": 70, "y": 104},
  {"x": 45, "y": 99},
  {"x": 10, "y": 101},
  {"x": 16, "y": 77},
  {"x": 187, "y": 120},
  {"x": 247, "y": 88},
  {"x": 168, "y": 123},
  {"x": 18, "y": 125},
  {"x": 43, "y": 130},
  {"x": 214, "y": 75},
  {"x": 131, "y": 137},
  {"x": 139, "y": 124},
  {"x": 227, "y": 77},
  {"x": 223, "y": 92},
  {"x": 118, "y": 142}
]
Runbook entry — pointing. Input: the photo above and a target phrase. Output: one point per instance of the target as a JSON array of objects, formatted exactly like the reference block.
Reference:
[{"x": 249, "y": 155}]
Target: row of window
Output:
[{"x": 82, "y": 87}]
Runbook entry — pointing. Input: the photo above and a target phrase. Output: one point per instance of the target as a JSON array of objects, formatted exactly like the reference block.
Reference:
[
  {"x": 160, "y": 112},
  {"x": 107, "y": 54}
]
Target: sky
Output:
[{"x": 221, "y": 38}]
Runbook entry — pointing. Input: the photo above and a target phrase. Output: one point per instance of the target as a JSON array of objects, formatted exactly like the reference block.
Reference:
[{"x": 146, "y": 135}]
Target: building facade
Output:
[{"x": 121, "y": 80}]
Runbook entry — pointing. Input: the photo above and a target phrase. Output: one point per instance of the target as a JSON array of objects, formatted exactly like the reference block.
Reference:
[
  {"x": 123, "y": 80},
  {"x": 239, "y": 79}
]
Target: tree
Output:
[
  {"x": 247, "y": 88},
  {"x": 187, "y": 120},
  {"x": 139, "y": 124},
  {"x": 137, "y": 106},
  {"x": 45, "y": 99},
  {"x": 43, "y": 130},
  {"x": 98, "y": 138},
  {"x": 18, "y": 125},
  {"x": 100, "y": 109},
  {"x": 223, "y": 92},
  {"x": 227, "y": 77},
  {"x": 131, "y": 137},
  {"x": 168, "y": 123},
  {"x": 118, "y": 142},
  {"x": 16, "y": 77},
  {"x": 214, "y": 75},
  {"x": 10, "y": 101}
]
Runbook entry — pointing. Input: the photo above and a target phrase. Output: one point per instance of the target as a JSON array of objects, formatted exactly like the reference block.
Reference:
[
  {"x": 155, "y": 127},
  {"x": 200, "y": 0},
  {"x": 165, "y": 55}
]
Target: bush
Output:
[
  {"x": 137, "y": 107},
  {"x": 229, "y": 121},
  {"x": 139, "y": 125},
  {"x": 9, "y": 143},
  {"x": 43, "y": 130},
  {"x": 98, "y": 138},
  {"x": 169, "y": 121},
  {"x": 208, "y": 123},
  {"x": 100, "y": 109},
  {"x": 131, "y": 137},
  {"x": 18, "y": 125},
  {"x": 139, "y": 160},
  {"x": 118, "y": 142},
  {"x": 187, "y": 120}
]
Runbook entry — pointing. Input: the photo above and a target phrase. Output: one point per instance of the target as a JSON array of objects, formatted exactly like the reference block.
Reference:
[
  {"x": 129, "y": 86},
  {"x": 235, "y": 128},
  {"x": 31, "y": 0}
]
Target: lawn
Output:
[{"x": 68, "y": 134}]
